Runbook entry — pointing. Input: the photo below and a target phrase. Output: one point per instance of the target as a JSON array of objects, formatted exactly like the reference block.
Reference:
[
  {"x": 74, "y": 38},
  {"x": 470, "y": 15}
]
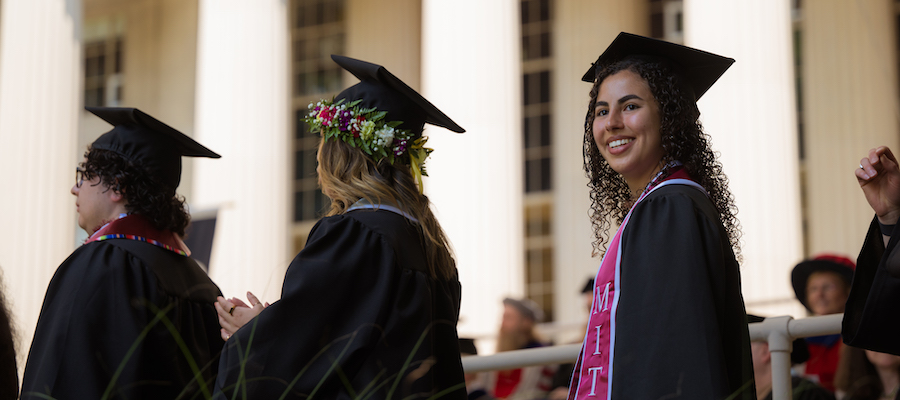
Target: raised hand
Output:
[{"x": 879, "y": 178}]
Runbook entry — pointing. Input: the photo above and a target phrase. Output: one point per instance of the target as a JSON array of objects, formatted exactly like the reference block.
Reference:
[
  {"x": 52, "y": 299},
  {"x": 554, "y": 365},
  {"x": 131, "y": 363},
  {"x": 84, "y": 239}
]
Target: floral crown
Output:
[{"x": 366, "y": 129}]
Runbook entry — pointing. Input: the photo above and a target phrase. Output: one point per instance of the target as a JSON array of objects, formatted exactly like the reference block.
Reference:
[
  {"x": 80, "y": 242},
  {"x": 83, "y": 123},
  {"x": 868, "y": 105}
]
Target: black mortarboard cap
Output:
[
  {"x": 698, "y": 69},
  {"x": 147, "y": 142},
  {"x": 383, "y": 91}
]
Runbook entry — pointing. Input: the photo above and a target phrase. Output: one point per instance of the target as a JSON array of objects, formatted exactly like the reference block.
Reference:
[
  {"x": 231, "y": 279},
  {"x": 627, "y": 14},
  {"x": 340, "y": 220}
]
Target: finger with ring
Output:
[{"x": 231, "y": 311}]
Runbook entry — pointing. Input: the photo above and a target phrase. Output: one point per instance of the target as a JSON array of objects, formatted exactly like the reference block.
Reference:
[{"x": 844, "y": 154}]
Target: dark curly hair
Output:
[
  {"x": 144, "y": 194},
  {"x": 683, "y": 140}
]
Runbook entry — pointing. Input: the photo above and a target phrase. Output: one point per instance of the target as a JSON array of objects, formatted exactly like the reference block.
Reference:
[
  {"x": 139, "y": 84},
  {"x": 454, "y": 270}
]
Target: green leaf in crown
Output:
[{"x": 366, "y": 129}]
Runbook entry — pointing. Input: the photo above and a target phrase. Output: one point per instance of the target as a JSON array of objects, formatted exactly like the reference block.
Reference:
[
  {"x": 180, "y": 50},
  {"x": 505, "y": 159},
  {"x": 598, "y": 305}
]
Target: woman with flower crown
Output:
[
  {"x": 667, "y": 319},
  {"x": 369, "y": 307}
]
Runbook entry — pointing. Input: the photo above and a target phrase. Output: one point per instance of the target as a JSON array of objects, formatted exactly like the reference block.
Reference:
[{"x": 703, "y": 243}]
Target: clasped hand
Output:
[{"x": 234, "y": 313}]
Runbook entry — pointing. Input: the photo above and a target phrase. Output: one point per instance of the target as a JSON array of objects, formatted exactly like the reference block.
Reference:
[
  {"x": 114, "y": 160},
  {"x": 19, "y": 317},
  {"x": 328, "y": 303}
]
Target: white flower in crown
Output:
[{"x": 385, "y": 136}]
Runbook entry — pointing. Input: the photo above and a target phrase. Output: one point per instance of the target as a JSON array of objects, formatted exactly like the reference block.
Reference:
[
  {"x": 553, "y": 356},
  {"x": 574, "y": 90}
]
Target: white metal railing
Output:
[{"x": 779, "y": 332}]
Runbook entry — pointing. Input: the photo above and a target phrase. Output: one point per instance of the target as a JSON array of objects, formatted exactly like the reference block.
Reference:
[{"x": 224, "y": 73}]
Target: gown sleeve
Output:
[
  {"x": 108, "y": 327},
  {"x": 349, "y": 323},
  {"x": 872, "y": 316},
  {"x": 681, "y": 330}
]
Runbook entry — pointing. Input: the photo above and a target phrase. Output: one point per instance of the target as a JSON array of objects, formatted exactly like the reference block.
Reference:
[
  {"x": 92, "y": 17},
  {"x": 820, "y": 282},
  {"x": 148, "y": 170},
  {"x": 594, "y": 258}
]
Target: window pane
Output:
[
  {"x": 656, "y": 25},
  {"x": 544, "y": 89},
  {"x": 545, "y": 45},
  {"x": 545, "y": 10},
  {"x": 298, "y": 164},
  {"x": 298, "y": 206},
  {"x": 118, "y": 56},
  {"x": 545, "y": 130},
  {"x": 523, "y": 6},
  {"x": 545, "y": 174}
]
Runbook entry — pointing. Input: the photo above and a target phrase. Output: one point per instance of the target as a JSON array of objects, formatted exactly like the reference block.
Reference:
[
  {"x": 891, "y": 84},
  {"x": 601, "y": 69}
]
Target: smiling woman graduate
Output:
[
  {"x": 369, "y": 307},
  {"x": 667, "y": 319}
]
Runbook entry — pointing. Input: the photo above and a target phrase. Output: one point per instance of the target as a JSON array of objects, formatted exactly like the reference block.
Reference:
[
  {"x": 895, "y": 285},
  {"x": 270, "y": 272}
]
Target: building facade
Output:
[{"x": 510, "y": 192}]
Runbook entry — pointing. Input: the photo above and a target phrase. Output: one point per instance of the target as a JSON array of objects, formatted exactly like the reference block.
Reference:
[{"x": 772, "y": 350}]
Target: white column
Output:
[
  {"x": 40, "y": 98},
  {"x": 573, "y": 52},
  {"x": 242, "y": 113},
  {"x": 473, "y": 74},
  {"x": 850, "y": 106},
  {"x": 750, "y": 116}
]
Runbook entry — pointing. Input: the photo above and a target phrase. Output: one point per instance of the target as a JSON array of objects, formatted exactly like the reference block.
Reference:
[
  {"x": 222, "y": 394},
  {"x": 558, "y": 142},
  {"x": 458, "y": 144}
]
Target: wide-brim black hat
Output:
[
  {"x": 698, "y": 69},
  {"x": 842, "y": 266},
  {"x": 150, "y": 144},
  {"x": 380, "y": 89}
]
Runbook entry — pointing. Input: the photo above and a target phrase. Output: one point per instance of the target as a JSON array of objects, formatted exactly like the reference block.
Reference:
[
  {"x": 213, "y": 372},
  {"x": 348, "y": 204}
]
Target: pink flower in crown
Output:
[{"x": 327, "y": 115}]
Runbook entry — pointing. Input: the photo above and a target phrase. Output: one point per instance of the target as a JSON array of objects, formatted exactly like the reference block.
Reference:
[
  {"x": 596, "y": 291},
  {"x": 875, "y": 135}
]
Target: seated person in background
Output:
[
  {"x": 516, "y": 333},
  {"x": 474, "y": 381},
  {"x": 803, "y": 389},
  {"x": 822, "y": 284},
  {"x": 867, "y": 375}
]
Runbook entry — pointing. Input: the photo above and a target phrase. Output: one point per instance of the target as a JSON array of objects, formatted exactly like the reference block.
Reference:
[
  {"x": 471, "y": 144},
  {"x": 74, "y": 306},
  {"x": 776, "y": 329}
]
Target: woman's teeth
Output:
[{"x": 620, "y": 142}]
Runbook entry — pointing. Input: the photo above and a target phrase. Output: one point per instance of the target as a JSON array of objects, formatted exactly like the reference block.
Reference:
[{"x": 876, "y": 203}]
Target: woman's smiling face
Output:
[{"x": 626, "y": 128}]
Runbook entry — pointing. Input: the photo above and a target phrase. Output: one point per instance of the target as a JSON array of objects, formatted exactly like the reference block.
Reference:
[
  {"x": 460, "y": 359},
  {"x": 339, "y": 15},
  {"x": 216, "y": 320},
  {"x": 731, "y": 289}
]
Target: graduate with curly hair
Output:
[
  {"x": 128, "y": 314},
  {"x": 668, "y": 319}
]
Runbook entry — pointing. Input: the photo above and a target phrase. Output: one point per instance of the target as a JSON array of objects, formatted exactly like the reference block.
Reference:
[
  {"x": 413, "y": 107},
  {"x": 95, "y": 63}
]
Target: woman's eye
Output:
[
  {"x": 601, "y": 113},
  {"x": 631, "y": 107}
]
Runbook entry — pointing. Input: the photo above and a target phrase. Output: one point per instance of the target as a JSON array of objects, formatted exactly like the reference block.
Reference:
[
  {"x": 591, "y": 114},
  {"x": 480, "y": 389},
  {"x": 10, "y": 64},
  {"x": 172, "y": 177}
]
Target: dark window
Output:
[
  {"x": 537, "y": 49},
  {"x": 102, "y": 64},
  {"x": 318, "y": 32},
  {"x": 536, "y": 87},
  {"x": 657, "y": 28}
]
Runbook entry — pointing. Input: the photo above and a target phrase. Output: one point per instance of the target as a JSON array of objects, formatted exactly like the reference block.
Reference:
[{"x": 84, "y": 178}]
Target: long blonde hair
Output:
[{"x": 347, "y": 175}]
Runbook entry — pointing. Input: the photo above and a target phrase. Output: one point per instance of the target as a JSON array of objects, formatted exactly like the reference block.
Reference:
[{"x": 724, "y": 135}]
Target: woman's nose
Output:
[{"x": 613, "y": 121}]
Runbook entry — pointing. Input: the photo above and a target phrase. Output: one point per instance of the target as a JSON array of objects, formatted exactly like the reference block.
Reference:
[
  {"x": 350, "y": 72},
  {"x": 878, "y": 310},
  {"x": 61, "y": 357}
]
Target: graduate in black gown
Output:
[
  {"x": 369, "y": 307},
  {"x": 128, "y": 315},
  {"x": 668, "y": 318},
  {"x": 9, "y": 372},
  {"x": 872, "y": 314}
]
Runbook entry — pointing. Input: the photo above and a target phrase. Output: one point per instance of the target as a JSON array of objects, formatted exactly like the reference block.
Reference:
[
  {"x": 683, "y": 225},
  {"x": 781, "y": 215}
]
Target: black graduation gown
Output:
[
  {"x": 681, "y": 329},
  {"x": 9, "y": 375},
  {"x": 872, "y": 315},
  {"x": 100, "y": 302},
  {"x": 359, "y": 315}
]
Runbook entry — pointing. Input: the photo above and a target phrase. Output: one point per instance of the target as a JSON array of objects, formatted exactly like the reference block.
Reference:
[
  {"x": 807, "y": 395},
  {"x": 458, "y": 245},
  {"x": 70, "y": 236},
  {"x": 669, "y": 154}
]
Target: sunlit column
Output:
[
  {"x": 849, "y": 106},
  {"x": 581, "y": 31},
  {"x": 242, "y": 113},
  {"x": 750, "y": 116},
  {"x": 40, "y": 98},
  {"x": 470, "y": 70}
]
